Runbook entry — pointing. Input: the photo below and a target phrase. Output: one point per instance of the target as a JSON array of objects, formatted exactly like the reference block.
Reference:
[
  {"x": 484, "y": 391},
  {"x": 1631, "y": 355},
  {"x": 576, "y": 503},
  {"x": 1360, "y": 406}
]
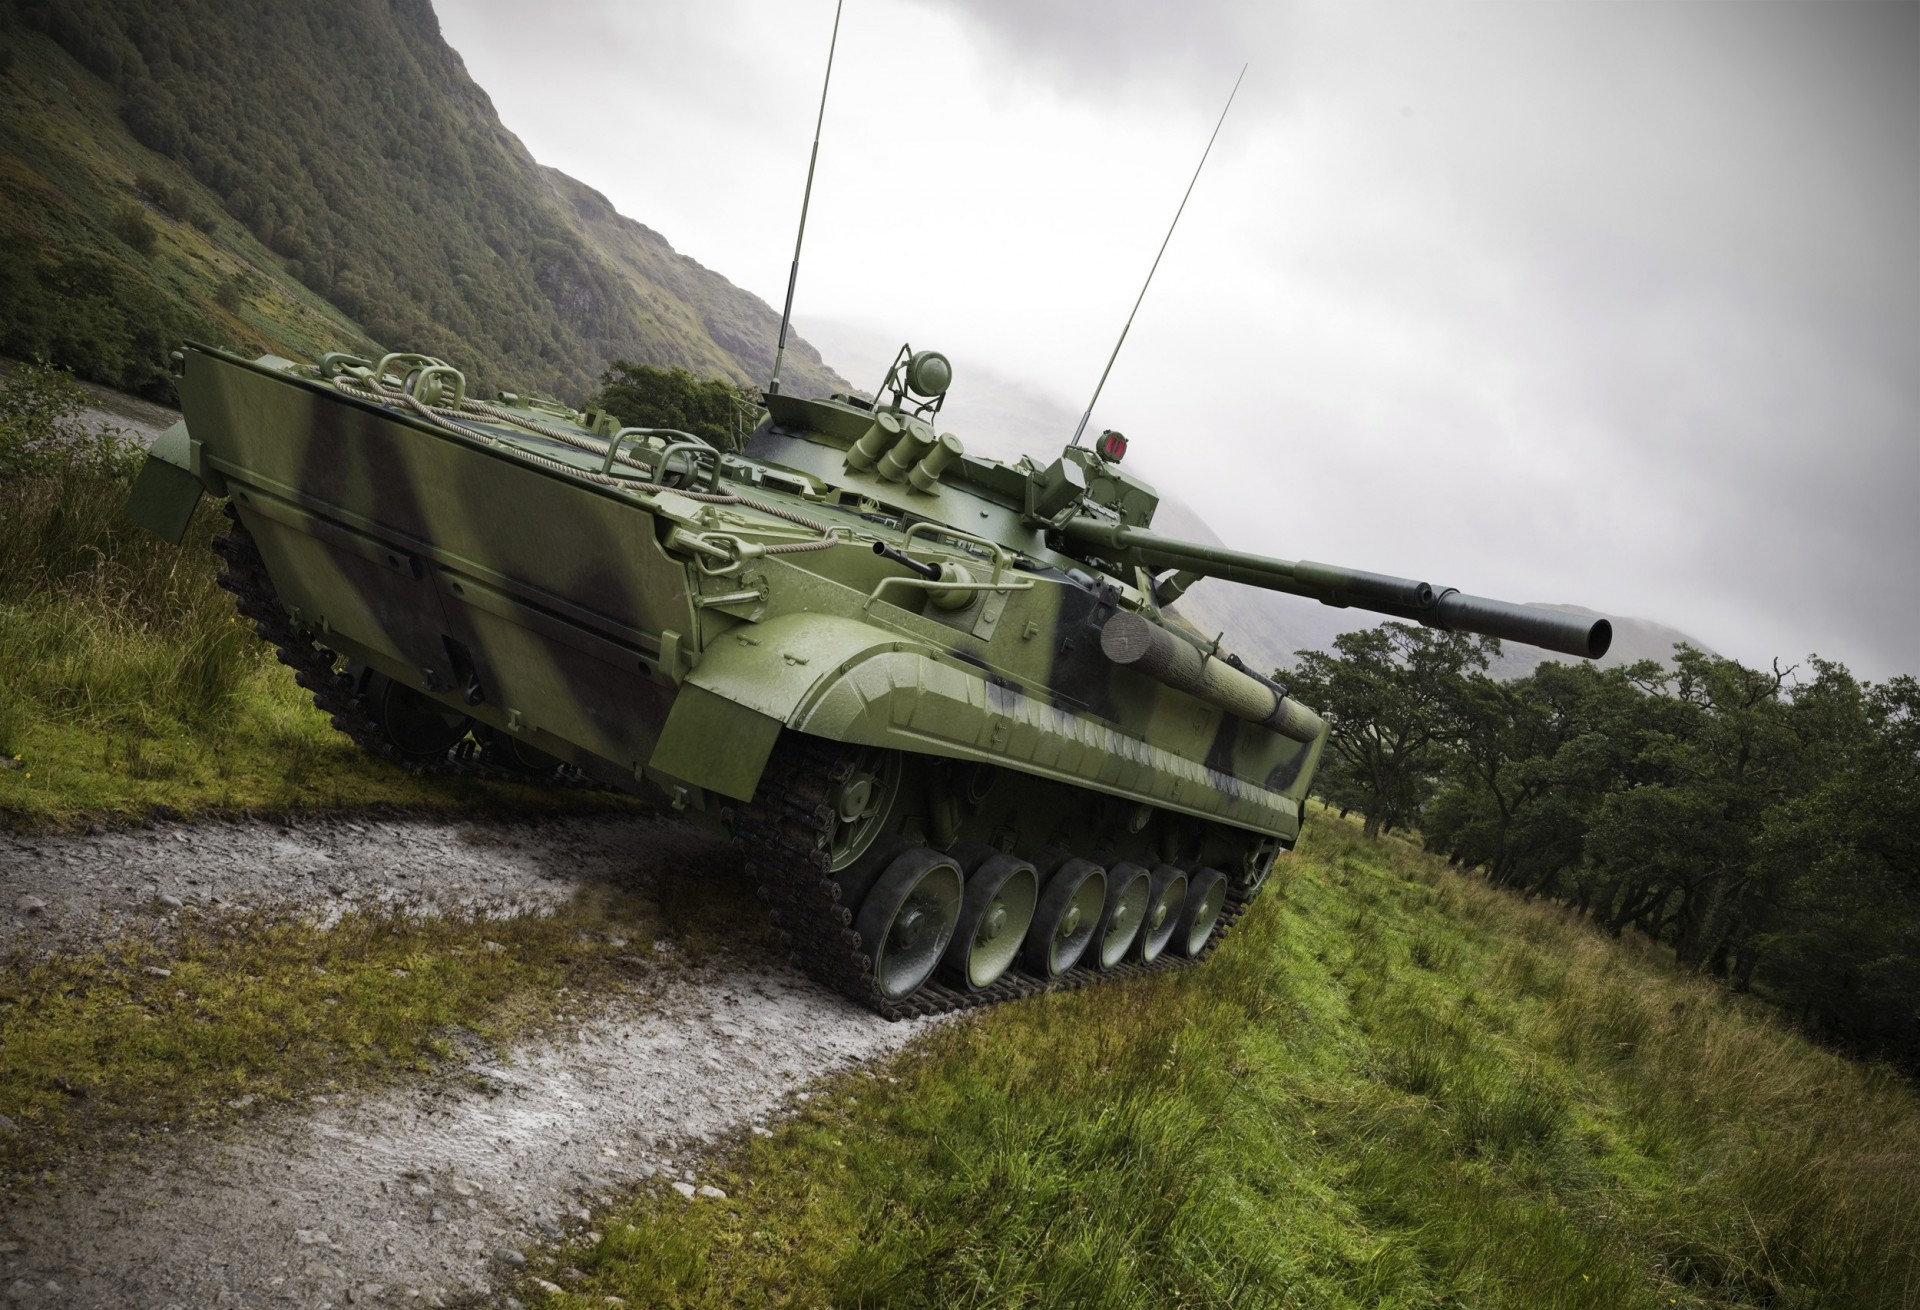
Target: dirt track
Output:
[{"x": 407, "y": 1197}]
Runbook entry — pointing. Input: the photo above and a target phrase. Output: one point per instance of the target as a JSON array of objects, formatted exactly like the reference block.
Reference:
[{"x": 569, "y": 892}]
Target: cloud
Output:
[
  {"x": 1123, "y": 49},
  {"x": 1611, "y": 304}
]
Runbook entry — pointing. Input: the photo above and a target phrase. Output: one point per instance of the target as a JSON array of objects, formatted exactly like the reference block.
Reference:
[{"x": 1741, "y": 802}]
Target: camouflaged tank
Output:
[{"x": 935, "y": 698}]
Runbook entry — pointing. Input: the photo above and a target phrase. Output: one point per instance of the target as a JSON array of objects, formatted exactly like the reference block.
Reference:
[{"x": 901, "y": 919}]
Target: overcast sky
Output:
[{"x": 1614, "y": 304}]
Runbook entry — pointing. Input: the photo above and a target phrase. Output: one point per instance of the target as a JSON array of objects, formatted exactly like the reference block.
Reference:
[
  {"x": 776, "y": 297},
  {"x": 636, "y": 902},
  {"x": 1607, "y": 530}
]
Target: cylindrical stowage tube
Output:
[
  {"x": 877, "y": 440},
  {"x": 906, "y": 452},
  {"x": 926, "y": 473},
  {"x": 1140, "y": 644}
]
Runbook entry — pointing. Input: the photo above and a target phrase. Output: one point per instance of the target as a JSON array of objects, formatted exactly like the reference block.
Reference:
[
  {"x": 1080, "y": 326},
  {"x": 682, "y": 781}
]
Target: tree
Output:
[
  {"x": 1392, "y": 697},
  {"x": 643, "y": 396},
  {"x": 1534, "y": 758},
  {"x": 1844, "y": 953}
]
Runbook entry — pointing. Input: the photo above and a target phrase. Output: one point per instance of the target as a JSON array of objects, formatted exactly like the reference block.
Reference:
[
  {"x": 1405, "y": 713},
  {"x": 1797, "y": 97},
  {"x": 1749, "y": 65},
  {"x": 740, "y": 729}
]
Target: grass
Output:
[
  {"x": 238, "y": 1013},
  {"x": 1395, "y": 1087},
  {"x": 129, "y": 687}
]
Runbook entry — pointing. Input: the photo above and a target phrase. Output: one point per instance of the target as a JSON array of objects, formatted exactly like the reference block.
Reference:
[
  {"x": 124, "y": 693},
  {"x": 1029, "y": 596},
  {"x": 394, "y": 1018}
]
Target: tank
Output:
[{"x": 938, "y": 701}]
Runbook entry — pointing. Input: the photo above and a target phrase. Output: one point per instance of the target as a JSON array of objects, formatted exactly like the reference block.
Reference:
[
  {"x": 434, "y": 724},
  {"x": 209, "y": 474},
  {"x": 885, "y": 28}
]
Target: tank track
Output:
[
  {"x": 315, "y": 669},
  {"x": 780, "y": 832}
]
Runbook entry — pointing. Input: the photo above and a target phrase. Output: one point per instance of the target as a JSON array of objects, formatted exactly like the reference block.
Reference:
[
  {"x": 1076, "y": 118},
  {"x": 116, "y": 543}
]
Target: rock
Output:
[
  {"x": 8, "y": 1126},
  {"x": 758, "y": 1131},
  {"x": 571, "y": 1275},
  {"x": 712, "y": 1191},
  {"x": 513, "y": 1257},
  {"x": 551, "y": 1289},
  {"x": 242, "y": 1102},
  {"x": 685, "y": 1189},
  {"x": 155, "y": 971},
  {"x": 312, "y": 1237},
  {"x": 548, "y": 1227},
  {"x": 167, "y": 900},
  {"x": 22, "y": 1290},
  {"x": 436, "y": 1215},
  {"x": 461, "y": 1187},
  {"x": 29, "y": 905}
]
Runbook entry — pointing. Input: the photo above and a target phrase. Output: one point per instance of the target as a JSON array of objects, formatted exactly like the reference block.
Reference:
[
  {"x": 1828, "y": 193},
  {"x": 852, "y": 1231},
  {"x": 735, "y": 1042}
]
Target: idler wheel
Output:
[
  {"x": 862, "y": 802},
  {"x": 1168, "y": 892},
  {"x": 509, "y": 752},
  {"x": 1128, "y": 887},
  {"x": 1206, "y": 897},
  {"x": 417, "y": 726},
  {"x": 908, "y": 918},
  {"x": 1259, "y": 864},
  {"x": 1002, "y": 894},
  {"x": 1063, "y": 924}
]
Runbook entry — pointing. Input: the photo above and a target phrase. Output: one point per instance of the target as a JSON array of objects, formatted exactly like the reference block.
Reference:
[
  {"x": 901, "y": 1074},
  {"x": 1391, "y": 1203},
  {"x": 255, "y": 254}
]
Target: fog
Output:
[{"x": 1609, "y": 304}]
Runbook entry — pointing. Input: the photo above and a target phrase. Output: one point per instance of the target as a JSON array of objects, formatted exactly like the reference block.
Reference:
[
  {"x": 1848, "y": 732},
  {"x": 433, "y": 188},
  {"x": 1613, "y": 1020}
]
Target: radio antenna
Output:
[
  {"x": 1081, "y": 430},
  {"x": 793, "y": 274}
]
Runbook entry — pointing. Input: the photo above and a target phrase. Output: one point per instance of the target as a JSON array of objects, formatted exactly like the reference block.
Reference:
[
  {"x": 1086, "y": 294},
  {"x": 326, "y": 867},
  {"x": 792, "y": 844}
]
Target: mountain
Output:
[{"x": 300, "y": 177}]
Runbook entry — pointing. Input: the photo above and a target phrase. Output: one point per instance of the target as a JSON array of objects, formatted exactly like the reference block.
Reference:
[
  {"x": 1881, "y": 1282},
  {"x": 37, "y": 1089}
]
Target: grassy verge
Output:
[
  {"x": 1395, "y": 1087},
  {"x": 127, "y": 684},
  {"x": 242, "y": 1012}
]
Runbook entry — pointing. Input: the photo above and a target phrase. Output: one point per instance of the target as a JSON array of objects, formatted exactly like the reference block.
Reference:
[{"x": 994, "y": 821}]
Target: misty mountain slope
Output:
[
  {"x": 334, "y": 157},
  {"x": 734, "y": 332}
]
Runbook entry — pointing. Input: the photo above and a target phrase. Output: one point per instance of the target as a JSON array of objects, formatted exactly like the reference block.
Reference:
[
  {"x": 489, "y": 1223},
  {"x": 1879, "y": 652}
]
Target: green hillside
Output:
[
  {"x": 1394, "y": 1086},
  {"x": 300, "y": 178}
]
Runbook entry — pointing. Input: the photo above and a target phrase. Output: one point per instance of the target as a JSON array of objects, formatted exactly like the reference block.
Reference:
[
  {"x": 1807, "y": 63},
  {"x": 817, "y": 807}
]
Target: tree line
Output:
[{"x": 1762, "y": 823}]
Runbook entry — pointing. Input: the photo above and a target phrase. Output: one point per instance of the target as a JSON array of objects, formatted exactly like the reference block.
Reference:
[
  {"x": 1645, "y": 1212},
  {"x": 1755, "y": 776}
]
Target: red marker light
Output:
[{"x": 1111, "y": 447}]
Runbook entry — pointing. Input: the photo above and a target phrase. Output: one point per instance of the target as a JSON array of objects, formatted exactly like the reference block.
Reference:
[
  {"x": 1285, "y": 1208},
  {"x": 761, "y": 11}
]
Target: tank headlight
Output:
[{"x": 929, "y": 374}]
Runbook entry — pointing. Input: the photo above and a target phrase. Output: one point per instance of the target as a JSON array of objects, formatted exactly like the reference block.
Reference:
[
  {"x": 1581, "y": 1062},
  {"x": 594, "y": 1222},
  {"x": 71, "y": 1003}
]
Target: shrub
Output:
[{"x": 131, "y": 225}]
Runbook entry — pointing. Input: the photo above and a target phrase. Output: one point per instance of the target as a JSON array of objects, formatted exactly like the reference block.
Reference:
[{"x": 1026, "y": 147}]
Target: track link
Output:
[{"x": 782, "y": 833}]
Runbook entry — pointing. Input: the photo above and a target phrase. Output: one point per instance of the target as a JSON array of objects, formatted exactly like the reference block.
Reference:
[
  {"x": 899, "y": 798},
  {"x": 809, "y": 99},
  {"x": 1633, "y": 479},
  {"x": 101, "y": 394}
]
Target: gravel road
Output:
[{"x": 411, "y": 1196}]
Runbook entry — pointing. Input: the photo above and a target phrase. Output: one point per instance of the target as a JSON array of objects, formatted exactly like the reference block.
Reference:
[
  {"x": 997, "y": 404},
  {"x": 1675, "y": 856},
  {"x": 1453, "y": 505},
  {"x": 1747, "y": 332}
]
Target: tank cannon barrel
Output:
[{"x": 1402, "y": 598}]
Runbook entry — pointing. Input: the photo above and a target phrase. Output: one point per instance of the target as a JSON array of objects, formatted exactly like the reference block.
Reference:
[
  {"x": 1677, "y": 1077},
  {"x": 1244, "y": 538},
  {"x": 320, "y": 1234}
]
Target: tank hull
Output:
[
  {"x": 761, "y": 649},
  {"x": 549, "y": 608}
]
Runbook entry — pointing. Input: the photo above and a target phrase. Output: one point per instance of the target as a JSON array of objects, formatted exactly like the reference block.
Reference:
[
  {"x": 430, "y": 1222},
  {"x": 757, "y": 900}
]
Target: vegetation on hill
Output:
[
  {"x": 1394, "y": 1086},
  {"x": 317, "y": 177},
  {"x": 640, "y": 395},
  {"x": 128, "y": 686},
  {"x": 1762, "y": 823}
]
